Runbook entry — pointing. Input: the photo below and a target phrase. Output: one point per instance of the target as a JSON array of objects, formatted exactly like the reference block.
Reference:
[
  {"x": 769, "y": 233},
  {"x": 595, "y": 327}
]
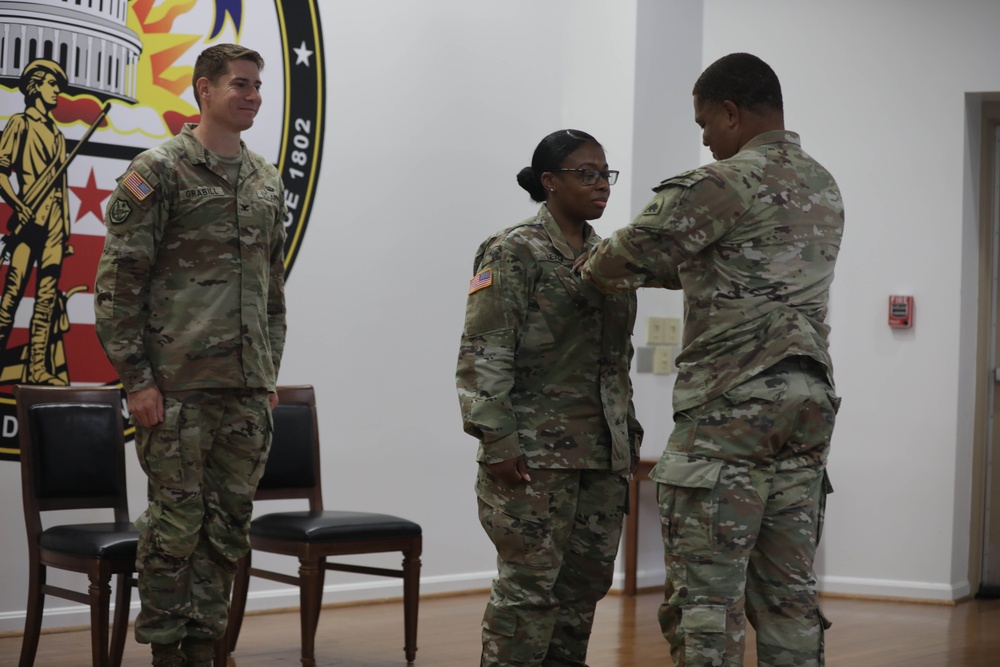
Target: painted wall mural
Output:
[{"x": 85, "y": 85}]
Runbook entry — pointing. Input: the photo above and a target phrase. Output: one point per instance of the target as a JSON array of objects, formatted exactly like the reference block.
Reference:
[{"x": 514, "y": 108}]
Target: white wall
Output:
[{"x": 432, "y": 109}]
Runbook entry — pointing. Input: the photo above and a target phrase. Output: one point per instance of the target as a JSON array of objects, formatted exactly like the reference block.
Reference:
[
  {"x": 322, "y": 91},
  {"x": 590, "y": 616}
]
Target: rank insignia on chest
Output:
[{"x": 481, "y": 280}]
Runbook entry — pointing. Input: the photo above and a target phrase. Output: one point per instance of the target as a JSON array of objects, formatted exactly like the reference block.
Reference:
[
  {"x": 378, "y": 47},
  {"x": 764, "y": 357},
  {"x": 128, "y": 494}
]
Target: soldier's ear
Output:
[{"x": 201, "y": 88}]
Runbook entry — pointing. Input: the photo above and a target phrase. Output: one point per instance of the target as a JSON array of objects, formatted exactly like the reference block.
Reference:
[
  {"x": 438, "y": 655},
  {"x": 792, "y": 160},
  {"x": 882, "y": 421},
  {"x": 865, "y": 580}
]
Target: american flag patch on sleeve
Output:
[
  {"x": 137, "y": 185},
  {"x": 481, "y": 280}
]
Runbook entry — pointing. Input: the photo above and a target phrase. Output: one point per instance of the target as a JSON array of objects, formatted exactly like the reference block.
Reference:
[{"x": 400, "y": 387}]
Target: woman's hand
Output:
[{"x": 511, "y": 472}]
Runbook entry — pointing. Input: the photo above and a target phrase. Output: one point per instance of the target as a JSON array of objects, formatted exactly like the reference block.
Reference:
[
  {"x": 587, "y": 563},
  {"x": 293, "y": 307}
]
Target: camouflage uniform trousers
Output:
[
  {"x": 556, "y": 538},
  {"x": 742, "y": 491},
  {"x": 203, "y": 463}
]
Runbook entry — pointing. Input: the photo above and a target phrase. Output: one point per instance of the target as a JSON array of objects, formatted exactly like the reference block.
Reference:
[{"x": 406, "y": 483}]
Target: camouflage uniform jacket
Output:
[
  {"x": 544, "y": 363},
  {"x": 752, "y": 240},
  {"x": 190, "y": 288}
]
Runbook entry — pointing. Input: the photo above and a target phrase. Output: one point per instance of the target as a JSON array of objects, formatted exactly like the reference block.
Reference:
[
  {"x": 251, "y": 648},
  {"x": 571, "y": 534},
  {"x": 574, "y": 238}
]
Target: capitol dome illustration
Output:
[{"x": 88, "y": 38}]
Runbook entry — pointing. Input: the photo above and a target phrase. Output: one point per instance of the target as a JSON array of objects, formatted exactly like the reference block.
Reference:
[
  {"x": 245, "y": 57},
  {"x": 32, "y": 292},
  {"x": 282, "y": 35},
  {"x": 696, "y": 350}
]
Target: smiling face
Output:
[
  {"x": 233, "y": 100},
  {"x": 566, "y": 192}
]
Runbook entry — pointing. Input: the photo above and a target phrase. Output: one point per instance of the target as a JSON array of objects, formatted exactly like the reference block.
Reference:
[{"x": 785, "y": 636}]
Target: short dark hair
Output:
[
  {"x": 549, "y": 155},
  {"x": 213, "y": 63},
  {"x": 742, "y": 78}
]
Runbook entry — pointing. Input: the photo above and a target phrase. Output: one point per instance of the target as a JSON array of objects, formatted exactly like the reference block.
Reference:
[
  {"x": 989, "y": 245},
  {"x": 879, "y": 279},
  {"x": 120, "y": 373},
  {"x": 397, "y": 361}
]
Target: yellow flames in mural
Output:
[{"x": 161, "y": 82}]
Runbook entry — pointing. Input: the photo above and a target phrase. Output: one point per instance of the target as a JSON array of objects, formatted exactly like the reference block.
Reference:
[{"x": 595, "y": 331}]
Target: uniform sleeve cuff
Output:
[{"x": 504, "y": 449}]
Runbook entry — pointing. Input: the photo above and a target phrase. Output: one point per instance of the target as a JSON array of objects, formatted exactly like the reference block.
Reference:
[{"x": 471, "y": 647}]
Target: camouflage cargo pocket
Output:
[
  {"x": 688, "y": 504},
  {"x": 516, "y": 520},
  {"x": 159, "y": 448}
]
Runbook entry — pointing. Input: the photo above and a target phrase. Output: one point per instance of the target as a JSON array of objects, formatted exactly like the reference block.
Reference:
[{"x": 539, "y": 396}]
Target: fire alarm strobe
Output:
[{"x": 901, "y": 312}]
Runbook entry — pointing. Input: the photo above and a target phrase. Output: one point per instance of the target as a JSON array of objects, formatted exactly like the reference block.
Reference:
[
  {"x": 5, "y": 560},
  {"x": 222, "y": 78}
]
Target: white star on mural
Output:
[{"x": 302, "y": 55}]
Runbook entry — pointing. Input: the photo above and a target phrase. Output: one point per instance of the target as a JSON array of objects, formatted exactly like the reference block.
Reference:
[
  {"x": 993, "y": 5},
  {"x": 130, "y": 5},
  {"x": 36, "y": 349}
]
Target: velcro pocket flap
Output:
[
  {"x": 679, "y": 469},
  {"x": 755, "y": 388},
  {"x": 501, "y": 621},
  {"x": 704, "y": 619}
]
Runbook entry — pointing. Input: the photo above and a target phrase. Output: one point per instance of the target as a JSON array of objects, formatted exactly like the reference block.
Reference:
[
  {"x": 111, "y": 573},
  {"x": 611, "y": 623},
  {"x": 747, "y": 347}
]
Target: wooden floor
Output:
[{"x": 864, "y": 634}]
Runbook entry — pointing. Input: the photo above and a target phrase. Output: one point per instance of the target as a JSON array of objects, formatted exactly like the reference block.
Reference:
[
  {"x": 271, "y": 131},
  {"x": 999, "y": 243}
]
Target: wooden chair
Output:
[
  {"x": 73, "y": 457},
  {"x": 293, "y": 471}
]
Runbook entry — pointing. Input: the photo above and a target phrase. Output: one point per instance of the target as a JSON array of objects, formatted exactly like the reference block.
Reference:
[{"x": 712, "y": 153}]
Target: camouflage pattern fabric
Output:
[
  {"x": 543, "y": 369},
  {"x": 190, "y": 288},
  {"x": 190, "y": 299},
  {"x": 543, "y": 372},
  {"x": 742, "y": 490},
  {"x": 203, "y": 463},
  {"x": 752, "y": 241},
  {"x": 556, "y": 539}
]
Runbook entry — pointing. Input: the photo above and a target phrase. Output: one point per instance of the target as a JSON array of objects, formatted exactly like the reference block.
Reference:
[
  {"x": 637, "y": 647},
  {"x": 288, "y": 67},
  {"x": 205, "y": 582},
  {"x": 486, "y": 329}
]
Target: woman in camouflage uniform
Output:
[{"x": 544, "y": 386}]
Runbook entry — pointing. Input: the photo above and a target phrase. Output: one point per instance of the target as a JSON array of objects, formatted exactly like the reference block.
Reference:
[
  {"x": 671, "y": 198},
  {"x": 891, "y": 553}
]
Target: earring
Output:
[{"x": 552, "y": 189}]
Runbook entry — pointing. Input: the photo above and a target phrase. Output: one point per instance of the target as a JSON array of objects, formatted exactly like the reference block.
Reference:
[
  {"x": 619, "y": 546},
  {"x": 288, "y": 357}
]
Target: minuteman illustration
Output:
[{"x": 33, "y": 150}]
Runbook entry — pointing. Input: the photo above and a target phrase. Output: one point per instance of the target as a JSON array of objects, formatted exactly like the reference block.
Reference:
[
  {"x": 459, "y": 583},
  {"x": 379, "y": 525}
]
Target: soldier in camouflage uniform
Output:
[
  {"x": 752, "y": 240},
  {"x": 190, "y": 310},
  {"x": 543, "y": 382}
]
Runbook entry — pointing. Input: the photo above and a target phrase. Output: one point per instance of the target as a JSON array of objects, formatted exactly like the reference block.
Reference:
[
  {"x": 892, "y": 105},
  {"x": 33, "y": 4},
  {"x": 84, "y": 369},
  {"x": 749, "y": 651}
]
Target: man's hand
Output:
[
  {"x": 272, "y": 400},
  {"x": 147, "y": 406},
  {"x": 581, "y": 260},
  {"x": 512, "y": 471}
]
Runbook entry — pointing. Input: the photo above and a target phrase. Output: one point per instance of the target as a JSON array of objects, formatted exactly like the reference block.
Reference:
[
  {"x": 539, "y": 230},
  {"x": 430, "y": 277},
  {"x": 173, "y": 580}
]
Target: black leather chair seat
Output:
[
  {"x": 97, "y": 540},
  {"x": 330, "y": 526}
]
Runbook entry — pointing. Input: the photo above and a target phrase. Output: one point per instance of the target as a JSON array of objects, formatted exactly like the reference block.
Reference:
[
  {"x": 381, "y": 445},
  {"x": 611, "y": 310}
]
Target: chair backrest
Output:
[
  {"x": 292, "y": 469},
  {"x": 72, "y": 443}
]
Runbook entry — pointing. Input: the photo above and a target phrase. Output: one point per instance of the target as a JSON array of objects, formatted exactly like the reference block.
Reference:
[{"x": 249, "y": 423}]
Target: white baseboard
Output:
[
  {"x": 892, "y": 588},
  {"x": 862, "y": 587}
]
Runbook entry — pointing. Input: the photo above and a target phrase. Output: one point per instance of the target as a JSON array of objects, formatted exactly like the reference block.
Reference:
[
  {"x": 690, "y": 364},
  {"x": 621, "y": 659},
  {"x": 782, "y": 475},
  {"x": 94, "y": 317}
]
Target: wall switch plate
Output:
[{"x": 663, "y": 360}]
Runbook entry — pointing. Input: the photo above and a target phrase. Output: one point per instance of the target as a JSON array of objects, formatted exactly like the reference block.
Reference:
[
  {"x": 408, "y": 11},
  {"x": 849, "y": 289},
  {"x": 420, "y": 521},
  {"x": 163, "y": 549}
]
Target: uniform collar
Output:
[
  {"x": 773, "y": 137},
  {"x": 590, "y": 238},
  {"x": 196, "y": 152}
]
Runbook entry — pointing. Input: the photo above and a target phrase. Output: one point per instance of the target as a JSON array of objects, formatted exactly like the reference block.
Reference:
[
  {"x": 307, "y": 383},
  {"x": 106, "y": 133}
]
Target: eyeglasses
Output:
[{"x": 591, "y": 176}]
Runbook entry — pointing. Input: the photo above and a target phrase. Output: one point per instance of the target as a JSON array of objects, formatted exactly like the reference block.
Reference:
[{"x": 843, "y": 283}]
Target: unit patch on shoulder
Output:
[
  {"x": 654, "y": 207},
  {"x": 119, "y": 211},
  {"x": 481, "y": 280},
  {"x": 137, "y": 185}
]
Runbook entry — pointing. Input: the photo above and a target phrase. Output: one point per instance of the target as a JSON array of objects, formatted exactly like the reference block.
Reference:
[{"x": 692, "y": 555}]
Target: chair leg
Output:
[
  {"x": 311, "y": 576},
  {"x": 100, "y": 599},
  {"x": 33, "y": 617},
  {"x": 221, "y": 652},
  {"x": 119, "y": 631},
  {"x": 411, "y": 600},
  {"x": 238, "y": 603}
]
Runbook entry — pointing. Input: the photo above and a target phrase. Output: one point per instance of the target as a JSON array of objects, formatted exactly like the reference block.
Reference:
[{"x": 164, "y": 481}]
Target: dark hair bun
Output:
[{"x": 526, "y": 179}]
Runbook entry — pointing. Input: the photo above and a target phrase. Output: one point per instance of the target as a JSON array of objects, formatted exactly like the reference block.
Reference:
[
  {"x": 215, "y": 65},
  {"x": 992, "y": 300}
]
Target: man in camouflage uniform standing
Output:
[
  {"x": 752, "y": 240},
  {"x": 190, "y": 309}
]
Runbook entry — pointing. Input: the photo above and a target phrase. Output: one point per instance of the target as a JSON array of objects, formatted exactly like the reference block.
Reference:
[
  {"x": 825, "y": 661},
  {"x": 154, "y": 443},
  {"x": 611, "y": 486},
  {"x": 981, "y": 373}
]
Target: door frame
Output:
[{"x": 989, "y": 126}]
